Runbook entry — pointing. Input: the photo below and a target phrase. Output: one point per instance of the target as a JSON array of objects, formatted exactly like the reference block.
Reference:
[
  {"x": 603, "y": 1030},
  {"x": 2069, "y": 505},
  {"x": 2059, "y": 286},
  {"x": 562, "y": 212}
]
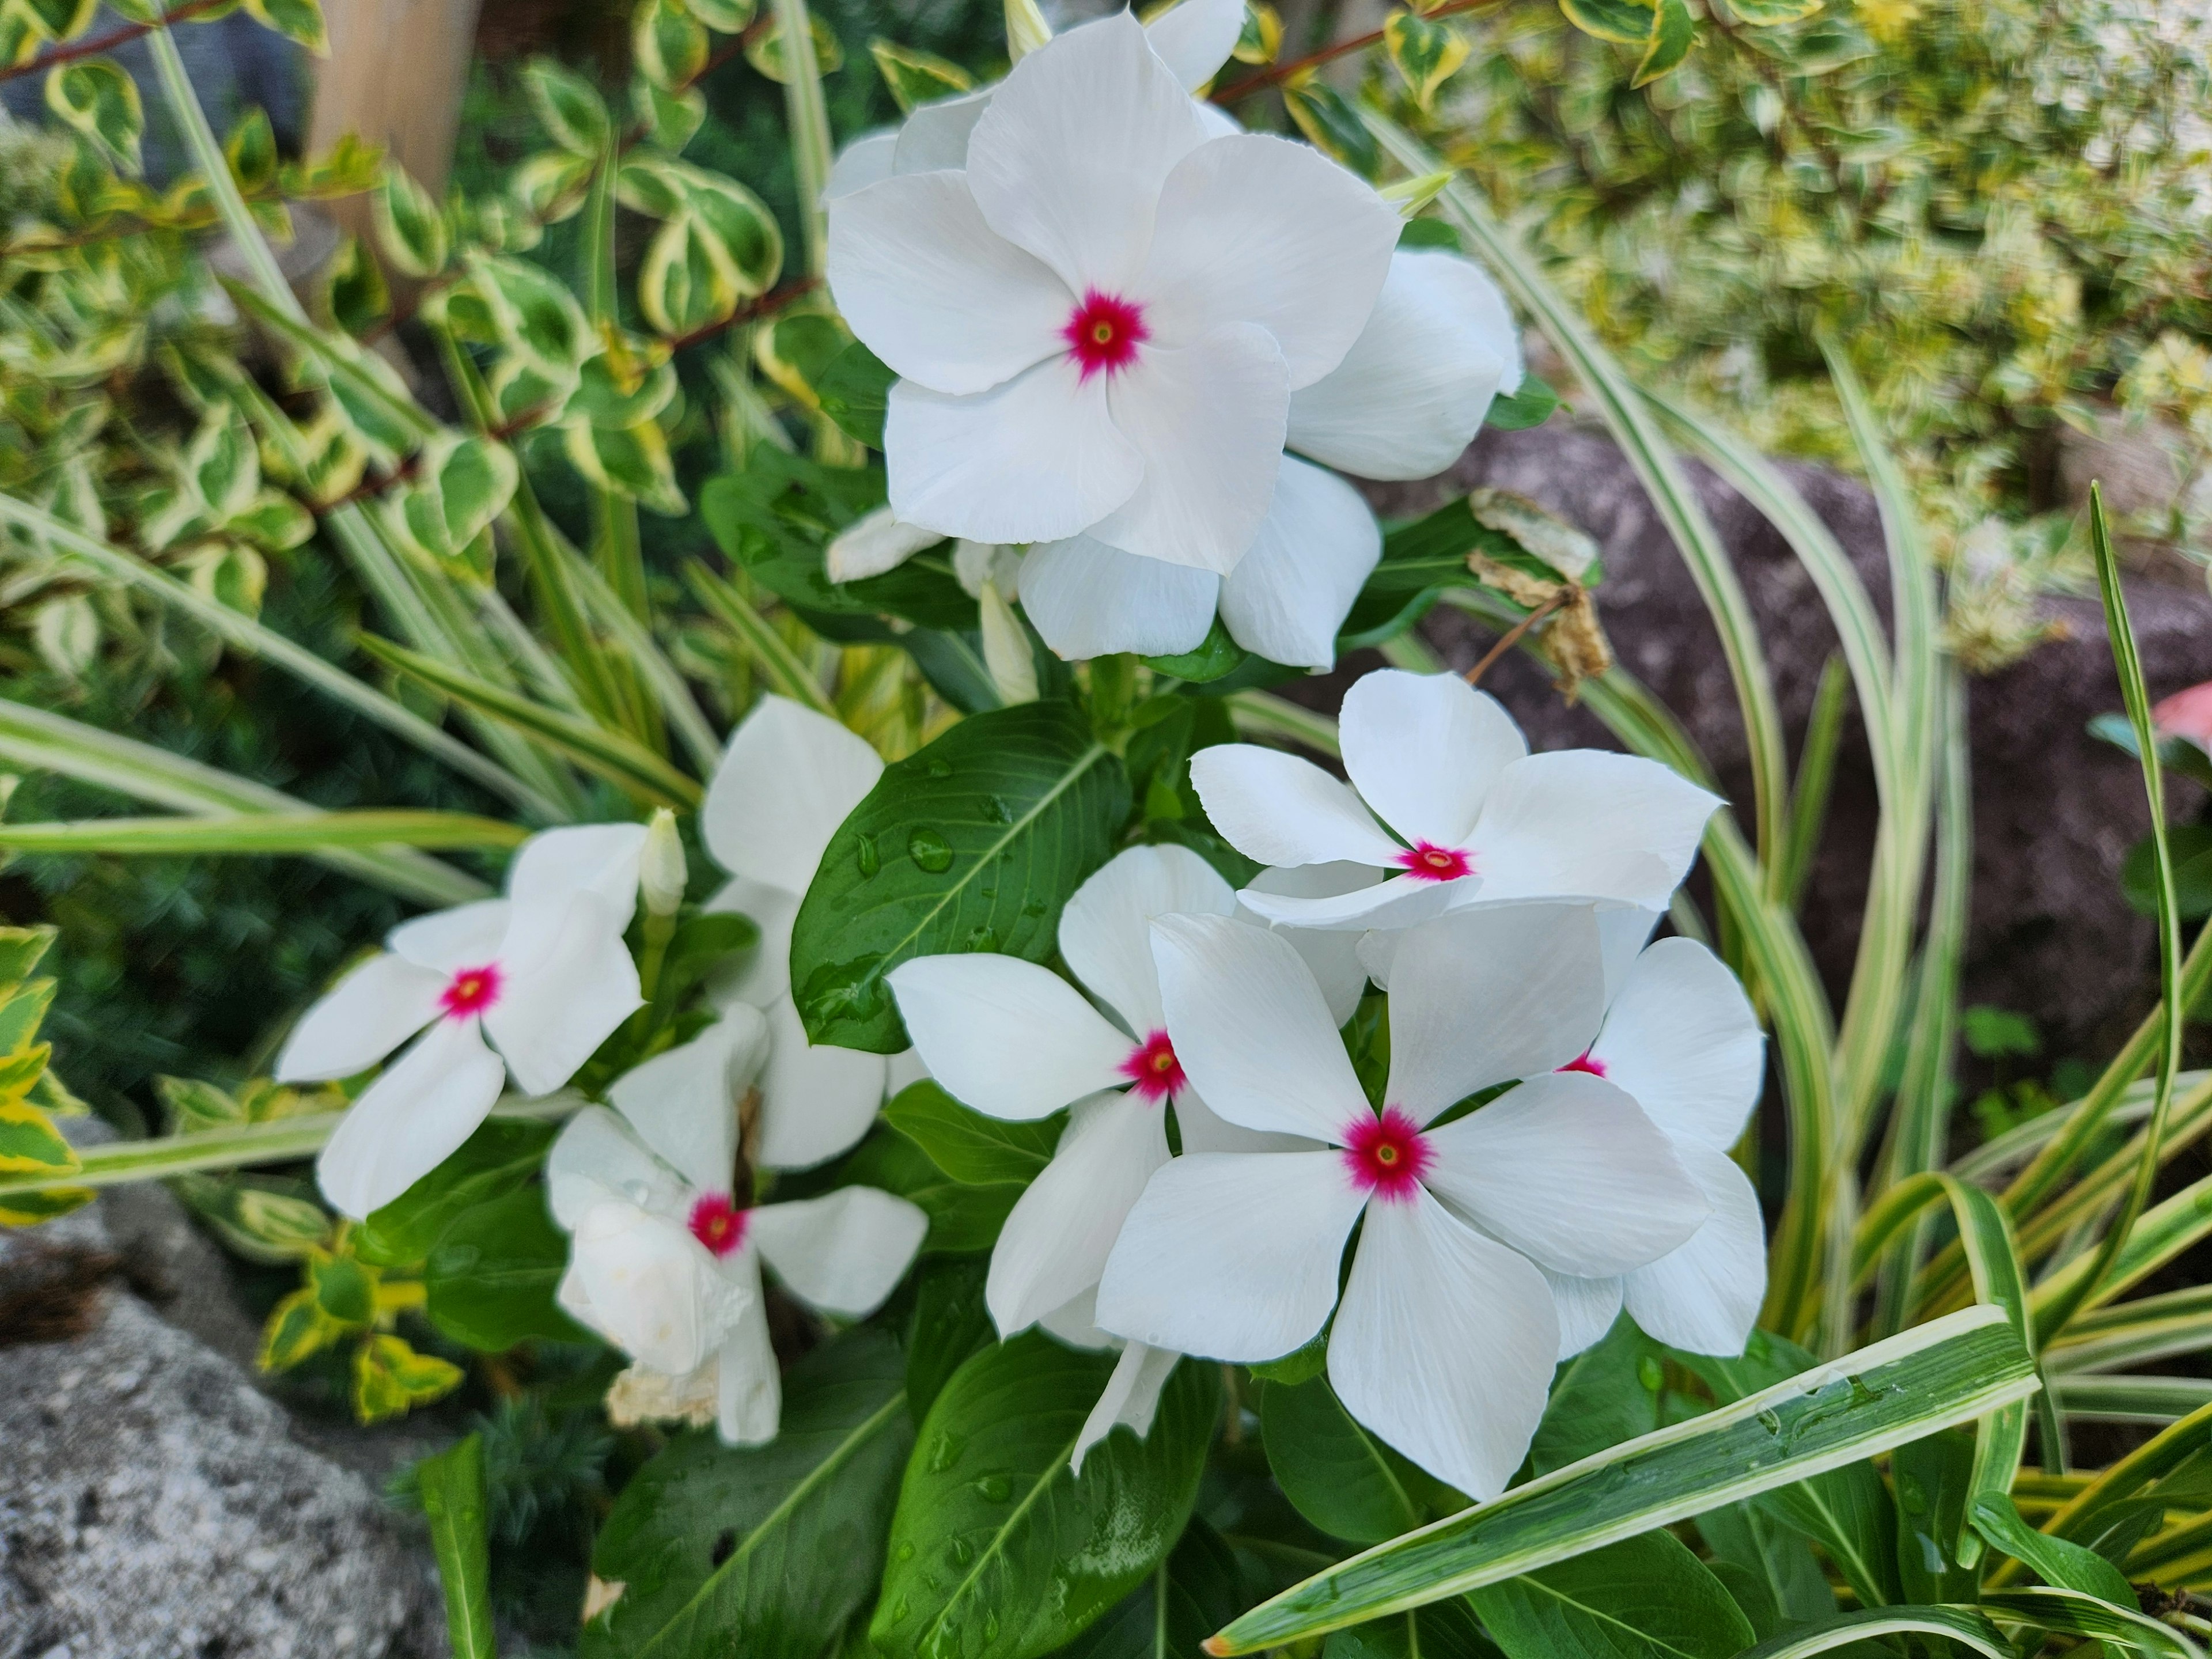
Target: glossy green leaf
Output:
[
  {"x": 1859, "y": 1631},
  {"x": 855, "y": 390},
  {"x": 1766, "y": 1563},
  {"x": 916, "y": 76},
  {"x": 2075, "y": 1612},
  {"x": 1627, "y": 22},
  {"x": 537, "y": 318},
  {"x": 1765, "y": 13},
  {"x": 999, "y": 1549},
  {"x": 1605, "y": 1394},
  {"x": 951, "y": 1322},
  {"x": 1642, "y": 1598},
  {"x": 1442, "y": 1629},
  {"x": 457, "y": 1507},
  {"x": 2056, "y": 1561},
  {"x": 491, "y": 1276},
  {"x": 409, "y": 229},
  {"x": 767, "y": 1550},
  {"x": 1332, "y": 124},
  {"x": 1932, "y": 1481},
  {"x": 962, "y": 1218},
  {"x": 96, "y": 98},
  {"x": 389, "y": 1379},
  {"x": 1340, "y": 1476},
  {"x": 1425, "y": 52},
  {"x": 967, "y": 1146},
  {"x": 1673, "y": 32},
  {"x": 1186, "y": 1598},
  {"x": 502, "y": 1155},
  {"x": 1531, "y": 405},
  {"x": 668, "y": 45},
  {"x": 972, "y": 843},
  {"x": 632, "y": 461},
  {"x": 1949, "y": 1371}
]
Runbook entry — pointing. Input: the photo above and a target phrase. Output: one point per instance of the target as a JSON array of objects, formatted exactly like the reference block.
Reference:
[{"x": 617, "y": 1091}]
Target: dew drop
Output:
[
  {"x": 1033, "y": 908},
  {"x": 962, "y": 1552},
  {"x": 943, "y": 1452},
  {"x": 984, "y": 938},
  {"x": 930, "y": 850},
  {"x": 1770, "y": 1421},
  {"x": 870, "y": 859},
  {"x": 994, "y": 1489},
  {"x": 1649, "y": 1373},
  {"x": 996, "y": 810},
  {"x": 990, "y": 1627},
  {"x": 938, "y": 767},
  {"x": 905, "y": 1551}
]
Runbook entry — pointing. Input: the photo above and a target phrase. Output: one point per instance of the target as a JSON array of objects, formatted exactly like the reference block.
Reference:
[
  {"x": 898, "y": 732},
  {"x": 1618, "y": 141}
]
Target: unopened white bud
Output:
[
  {"x": 660, "y": 872},
  {"x": 1007, "y": 649}
]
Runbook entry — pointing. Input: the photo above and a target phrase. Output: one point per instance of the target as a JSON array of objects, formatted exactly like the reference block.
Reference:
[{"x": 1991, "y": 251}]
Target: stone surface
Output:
[
  {"x": 156, "y": 1504},
  {"x": 2055, "y": 809}
]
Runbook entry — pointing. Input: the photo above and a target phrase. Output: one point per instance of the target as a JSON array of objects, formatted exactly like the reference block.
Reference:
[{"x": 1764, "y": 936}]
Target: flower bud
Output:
[{"x": 660, "y": 872}]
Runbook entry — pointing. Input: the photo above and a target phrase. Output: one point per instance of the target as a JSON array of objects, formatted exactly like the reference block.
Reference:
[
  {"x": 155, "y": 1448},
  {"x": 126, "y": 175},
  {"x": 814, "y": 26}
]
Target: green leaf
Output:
[
  {"x": 1000, "y": 1550},
  {"x": 295, "y": 20},
  {"x": 568, "y": 108},
  {"x": 972, "y": 843},
  {"x": 855, "y": 390},
  {"x": 1336, "y": 1474},
  {"x": 1773, "y": 1564},
  {"x": 98, "y": 100},
  {"x": 457, "y": 1507},
  {"x": 251, "y": 149},
  {"x": 765, "y": 53},
  {"x": 296, "y": 1328},
  {"x": 767, "y": 1550},
  {"x": 2192, "y": 845},
  {"x": 1442, "y": 1630},
  {"x": 2075, "y": 1612},
  {"x": 31, "y": 1146},
  {"x": 537, "y": 317},
  {"x": 1424, "y": 53},
  {"x": 1642, "y": 1598},
  {"x": 631, "y": 461},
  {"x": 1626, "y": 23},
  {"x": 1933, "y": 1483},
  {"x": 1188, "y": 1597},
  {"x": 390, "y": 1378},
  {"x": 1605, "y": 1394},
  {"x": 962, "y": 1218},
  {"x": 967, "y": 1146},
  {"x": 1332, "y": 126},
  {"x": 951, "y": 1322},
  {"x": 2056, "y": 1561},
  {"x": 1765, "y": 13},
  {"x": 409, "y": 229},
  {"x": 1948, "y": 1371},
  {"x": 1531, "y": 405},
  {"x": 1857, "y": 1631},
  {"x": 1215, "y": 656},
  {"x": 272, "y": 832},
  {"x": 667, "y": 45},
  {"x": 916, "y": 76},
  {"x": 501, "y": 1155},
  {"x": 1673, "y": 32},
  {"x": 491, "y": 1276}
]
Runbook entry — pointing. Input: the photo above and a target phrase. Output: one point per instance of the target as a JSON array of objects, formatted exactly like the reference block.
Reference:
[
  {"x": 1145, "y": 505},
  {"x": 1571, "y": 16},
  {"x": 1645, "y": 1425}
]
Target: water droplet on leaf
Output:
[
  {"x": 870, "y": 859},
  {"x": 930, "y": 850}
]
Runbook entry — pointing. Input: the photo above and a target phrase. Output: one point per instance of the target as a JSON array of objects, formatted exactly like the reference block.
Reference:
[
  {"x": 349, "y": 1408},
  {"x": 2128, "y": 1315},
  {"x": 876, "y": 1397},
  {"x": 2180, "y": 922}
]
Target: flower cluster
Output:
[
  {"x": 1552, "y": 1139},
  {"x": 1126, "y": 332}
]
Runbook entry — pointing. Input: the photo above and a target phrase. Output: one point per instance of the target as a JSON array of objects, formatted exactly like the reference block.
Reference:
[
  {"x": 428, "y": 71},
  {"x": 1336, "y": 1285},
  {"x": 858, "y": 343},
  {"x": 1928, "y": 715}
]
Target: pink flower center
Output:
[
  {"x": 470, "y": 991},
  {"x": 718, "y": 1223},
  {"x": 1430, "y": 862},
  {"x": 1103, "y": 332},
  {"x": 1386, "y": 1155},
  {"x": 1153, "y": 1068},
  {"x": 1585, "y": 1062}
]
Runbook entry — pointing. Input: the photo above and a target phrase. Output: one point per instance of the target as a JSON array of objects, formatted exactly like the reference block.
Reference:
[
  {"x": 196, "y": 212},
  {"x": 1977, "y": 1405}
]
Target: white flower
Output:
[
  {"x": 786, "y": 781},
  {"x": 1679, "y": 1036},
  {"x": 1446, "y": 1335},
  {"x": 1464, "y": 810},
  {"x": 666, "y": 1262},
  {"x": 543, "y": 973},
  {"x": 1099, "y": 320}
]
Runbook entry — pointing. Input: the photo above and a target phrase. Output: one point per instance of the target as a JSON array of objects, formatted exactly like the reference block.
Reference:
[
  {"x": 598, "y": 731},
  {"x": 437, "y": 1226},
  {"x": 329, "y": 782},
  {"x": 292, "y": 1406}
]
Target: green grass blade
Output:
[
  {"x": 2154, "y": 1460},
  {"x": 455, "y": 1500},
  {"x": 650, "y": 664},
  {"x": 1963, "y": 1626},
  {"x": 612, "y": 755},
  {"x": 786, "y": 675},
  {"x": 2052, "y": 1314},
  {"x": 808, "y": 117},
  {"x": 2138, "y": 1333},
  {"x": 1816, "y": 776},
  {"x": 2076, "y": 1612},
  {"x": 1262, "y": 715},
  {"x": 1950, "y": 1372},
  {"x": 38, "y": 741},
  {"x": 297, "y": 832},
  {"x": 2131, "y": 1398}
]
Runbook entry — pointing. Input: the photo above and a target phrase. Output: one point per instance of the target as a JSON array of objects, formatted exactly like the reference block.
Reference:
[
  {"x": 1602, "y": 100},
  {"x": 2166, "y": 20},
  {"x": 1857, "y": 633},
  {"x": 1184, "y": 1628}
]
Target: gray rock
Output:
[
  {"x": 2055, "y": 809},
  {"x": 157, "y": 1506}
]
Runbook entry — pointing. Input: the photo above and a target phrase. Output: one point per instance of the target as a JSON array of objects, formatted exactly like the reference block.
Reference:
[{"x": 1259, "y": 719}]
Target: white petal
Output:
[
  {"x": 902, "y": 1069},
  {"x": 1333, "y": 956},
  {"x": 598, "y": 1157},
  {"x": 598, "y": 858},
  {"x": 766, "y": 975},
  {"x": 466, "y": 936},
  {"x": 1208, "y": 418},
  {"x": 750, "y": 1407},
  {"x": 1251, "y": 1030},
  {"x": 1704, "y": 1295},
  {"x": 1232, "y": 1255},
  {"x": 1204, "y": 1130},
  {"x": 1586, "y": 823},
  {"x": 1567, "y": 1171},
  {"x": 935, "y": 136},
  {"x": 1481, "y": 996},
  {"x": 1069, "y": 159},
  {"x": 1195, "y": 37},
  {"x": 1005, "y": 1036},
  {"x": 930, "y": 289},
  {"x": 1035, "y": 459},
  {"x": 1424, "y": 750},
  {"x": 1278, "y": 809},
  {"x": 683, "y": 1101},
  {"x": 1444, "y": 1344},
  {"x": 1412, "y": 392},
  {"x": 974, "y": 563},
  {"x": 653, "y": 1287},
  {"x": 1106, "y": 928},
  {"x": 1587, "y": 1308},
  {"x": 573, "y": 982},
  {"x": 1055, "y": 1242},
  {"x": 409, "y": 1120},
  {"x": 364, "y": 1017},
  {"x": 1257, "y": 229},
  {"x": 1292, "y": 591},
  {"x": 786, "y": 781},
  {"x": 862, "y": 162},
  {"x": 1622, "y": 929},
  {"x": 816, "y": 1099},
  {"x": 843, "y": 1252},
  {"x": 874, "y": 543},
  {"x": 1091, "y": 600},
  {"x": 1075, "y": 1323},
  {"x": 1401, "y": 902},
  {"x": 1132, "y": 1396},
  {"x": 1682, "y": 1039}
]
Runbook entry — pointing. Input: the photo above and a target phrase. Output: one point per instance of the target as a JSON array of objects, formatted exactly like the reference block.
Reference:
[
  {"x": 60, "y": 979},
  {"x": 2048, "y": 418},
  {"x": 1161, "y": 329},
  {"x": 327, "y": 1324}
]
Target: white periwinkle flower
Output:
[
  {"x": 1099, "y": 319},
  {"x": 666, "y": 1260},
  {"x": 542, "y": 973},
  {"x": 786, "y": 781},
  {"x": 1444, "y": 789},
  {"x": 1446, "y": 1335}
]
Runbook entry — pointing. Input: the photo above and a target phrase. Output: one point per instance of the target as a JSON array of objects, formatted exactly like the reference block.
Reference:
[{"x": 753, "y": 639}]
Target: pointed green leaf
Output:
[
  {"x": 490, "y": 1280},
  {"x": 1673, "y": 32},
  {"x": 410, "y": 227},
  {"x": 262, "y": 833},
  {"x": 1424, "y": 53},
  {"x": 455, "y": 1503},
  {"x": 1188, "y": 1596},
  {"x": 1627, "y": 22},
  {"x": 1335, "y": 1473},
  {"x": 390, "y": 1378},
  {"x": 568, "y": 108},
  {"x": 1642, "y": 1598},
  {"x": 916, "y": 76},
  {"x": 967, "y": 1146},
  {"x": 98, "y": 100},
  {"x": 295, "y": 20},
  {"x": 1858, "y": 1630},
  {"x": 668, "y": 45}
]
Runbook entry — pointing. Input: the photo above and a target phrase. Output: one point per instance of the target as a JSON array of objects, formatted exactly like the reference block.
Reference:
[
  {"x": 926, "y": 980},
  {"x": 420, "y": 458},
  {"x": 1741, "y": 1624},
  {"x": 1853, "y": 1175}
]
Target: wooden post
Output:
[{"x": 395, "y": 76}]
